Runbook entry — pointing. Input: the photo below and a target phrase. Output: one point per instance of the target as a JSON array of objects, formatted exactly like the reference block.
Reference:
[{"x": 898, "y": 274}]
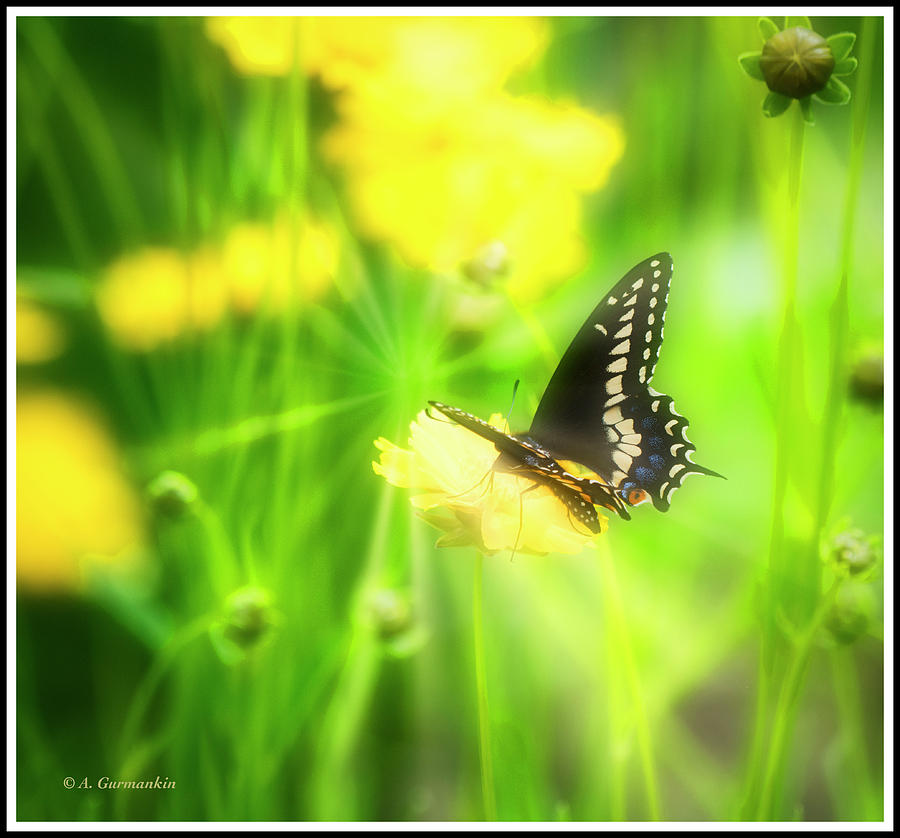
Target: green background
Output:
[{"x": 127, "y": 135}]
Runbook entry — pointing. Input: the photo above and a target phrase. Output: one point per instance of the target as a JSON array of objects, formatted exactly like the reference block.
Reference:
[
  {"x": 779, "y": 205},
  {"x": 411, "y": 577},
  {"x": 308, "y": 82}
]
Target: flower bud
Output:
[
  {"x": 245, "y": 625},
  {"x": 854, "y": 551},
  {"x": 171, "y": 494},
  {"x": 852, "y": 612},
  {"x": 796, "y": 62},
  {"x": 489, "y": 264},
  {"x": 391, "y": 612},
  {"x": 867, "y": 379}
]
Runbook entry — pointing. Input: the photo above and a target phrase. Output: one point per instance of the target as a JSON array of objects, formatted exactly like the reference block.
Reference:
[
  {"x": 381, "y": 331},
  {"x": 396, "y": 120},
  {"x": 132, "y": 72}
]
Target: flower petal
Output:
[
  {"x": 841, "y": 44},
  {"x": 834, "y": 93},
  {"x": 776, "y": 104},
  {"x": 749, "y": 62}
]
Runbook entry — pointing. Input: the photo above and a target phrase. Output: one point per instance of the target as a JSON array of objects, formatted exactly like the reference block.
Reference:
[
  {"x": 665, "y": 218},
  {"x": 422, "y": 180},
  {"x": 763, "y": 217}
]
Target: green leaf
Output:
[
  {"x": 766, "y": 28},
  {"x": 845, "y": 66},
  {"x": 841, "y": 44},
  {"x": 776, "y": 104},
  {"x": 749, "y": 61},
  {"x": 834, "y": 93},
  {"x": 806, "y": 108},
  {"x": 797, "y": 20}
]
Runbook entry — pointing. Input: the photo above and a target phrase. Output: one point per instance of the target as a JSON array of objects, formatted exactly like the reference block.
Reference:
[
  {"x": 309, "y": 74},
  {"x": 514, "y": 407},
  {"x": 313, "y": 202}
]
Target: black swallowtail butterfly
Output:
[{"x": 600, "y": 413}]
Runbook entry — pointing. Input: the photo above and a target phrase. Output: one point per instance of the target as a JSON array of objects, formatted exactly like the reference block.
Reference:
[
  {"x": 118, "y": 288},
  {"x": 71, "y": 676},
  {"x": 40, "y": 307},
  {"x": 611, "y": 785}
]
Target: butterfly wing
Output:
[
  {"x": 598, "y": 408},
  {"x": 519, "y": 456}
]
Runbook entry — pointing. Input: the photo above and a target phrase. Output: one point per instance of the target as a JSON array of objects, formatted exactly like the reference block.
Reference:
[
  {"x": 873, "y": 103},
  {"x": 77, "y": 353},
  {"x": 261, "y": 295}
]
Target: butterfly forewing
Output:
[
  {"x": 598, "y": 408},
  {"x": 611, "y": 359}
]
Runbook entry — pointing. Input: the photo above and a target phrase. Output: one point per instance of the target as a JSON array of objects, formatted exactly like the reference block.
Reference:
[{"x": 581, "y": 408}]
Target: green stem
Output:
[
  {"x": 152, "y": 680},
  {"x": 867, "y": 805},
  {"x": 787, "y": 345},
  {"x": 790, "y": 690},
  {"x": 840, "y": 314},
  {"x": 484, "y": 735},
  {"x": 622, "y": 642}
]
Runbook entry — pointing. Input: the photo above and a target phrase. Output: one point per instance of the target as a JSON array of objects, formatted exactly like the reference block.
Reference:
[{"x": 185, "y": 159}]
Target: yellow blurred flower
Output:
[
  {"x": 501, "y": 169},
  {"x": 472, "y": 504},
  {"x": 143, "y": 297},
  {"x": 257, "y": 46},
  {"x": 156, "y": 295},
  {"x": 72, "y": 501},
  {"x": 39, "y": 336},
  {"x": 441, "y": 56},
  {"x": 441, "y": 162},
  {"x": 278, "y": 263}
]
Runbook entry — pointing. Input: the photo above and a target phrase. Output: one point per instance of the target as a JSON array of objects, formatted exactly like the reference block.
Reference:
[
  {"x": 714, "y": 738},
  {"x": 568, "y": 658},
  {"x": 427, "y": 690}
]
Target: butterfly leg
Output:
[{"x": 522, "y": 494}]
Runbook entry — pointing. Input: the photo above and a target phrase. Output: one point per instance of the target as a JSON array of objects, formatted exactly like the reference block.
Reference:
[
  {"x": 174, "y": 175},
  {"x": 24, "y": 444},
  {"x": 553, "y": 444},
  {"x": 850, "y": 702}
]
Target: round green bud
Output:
[
  {"x": 853, "y": 550},
  {"x": 248, "y": 617},
  {"x": 489, "y": 264},
  {"x": 852, "y": 612},
  {"x": 867, "y": 379},
  {"x": 171, "y": 493},
  {"x": 796, "y": 62},
  {"x": 391, "y": 612}
]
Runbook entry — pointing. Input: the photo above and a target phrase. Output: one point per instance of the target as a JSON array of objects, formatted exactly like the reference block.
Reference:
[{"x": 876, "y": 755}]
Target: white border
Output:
[{"x": 13, "y": 13}]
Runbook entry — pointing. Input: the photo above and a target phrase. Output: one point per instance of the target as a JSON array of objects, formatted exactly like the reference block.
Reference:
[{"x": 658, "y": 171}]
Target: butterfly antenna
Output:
[{"x": 512, "y": 402}]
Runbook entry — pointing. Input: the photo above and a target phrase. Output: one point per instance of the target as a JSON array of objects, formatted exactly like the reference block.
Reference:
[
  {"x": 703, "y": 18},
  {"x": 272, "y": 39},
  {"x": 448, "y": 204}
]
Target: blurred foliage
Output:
[{"x": 246, "y": 249}]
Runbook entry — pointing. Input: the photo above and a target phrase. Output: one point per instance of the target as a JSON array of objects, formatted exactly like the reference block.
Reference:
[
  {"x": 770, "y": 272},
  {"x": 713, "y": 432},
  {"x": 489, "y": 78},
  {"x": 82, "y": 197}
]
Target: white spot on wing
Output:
[
  {"x": 669, "y": 426},
  {"x": 612, "y": 416},
  {"x": 653, "y": 302},
  {"x": 621, "y": 348},
  {"x": 637, "y": 284},
  {"x": 625, "y": 426},
  {"x": 649, "y": 336},
  {"x": 627, "y": 316},
  {"x": 614, "y": 385},
  {"x": 675, "y": 469},
  {"x": 655, "y": 406},
  {"x": 612, "y": 301},
  {"x": 619, "y": 365},
  {"x": 656, "y": 274},
  {"x": 651, "y": 319},
  {"x": 654, "y": 263},
  {"x": 642, "y": 375},
  {"x": 631, "y": 450},
  {"x": 674, "y": 449},
  {"x": 647, "y": 354},
  {"x": 600, "y": 327},
  {"x": 622, "y": 460},
  {"x": 632, "y": 439},
  {"x": 632, "y": 301},
  {"x": 625, "y": 331}
]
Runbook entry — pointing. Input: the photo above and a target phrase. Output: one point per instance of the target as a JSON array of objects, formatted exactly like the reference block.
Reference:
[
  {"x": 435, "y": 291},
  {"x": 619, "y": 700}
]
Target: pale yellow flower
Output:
[
  {"x": 39, "y": 335},
  {"x": 73, "y": 502},
  {"x": 474, "y": 505}
]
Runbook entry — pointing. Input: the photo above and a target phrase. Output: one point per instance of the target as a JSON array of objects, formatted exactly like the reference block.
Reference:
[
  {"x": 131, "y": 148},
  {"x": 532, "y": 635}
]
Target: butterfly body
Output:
[{"x": 599, "y": 412}]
